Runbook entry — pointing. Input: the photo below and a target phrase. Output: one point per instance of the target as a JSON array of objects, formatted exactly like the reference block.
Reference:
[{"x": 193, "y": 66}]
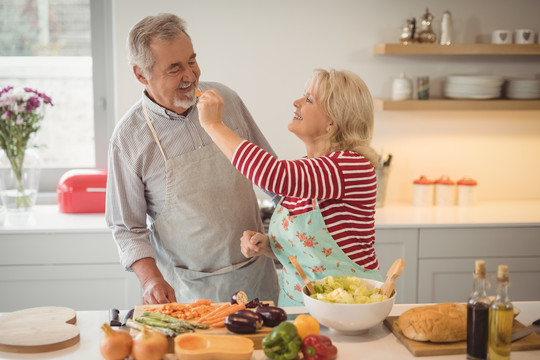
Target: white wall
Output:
[{"x": 266, "y": 50}]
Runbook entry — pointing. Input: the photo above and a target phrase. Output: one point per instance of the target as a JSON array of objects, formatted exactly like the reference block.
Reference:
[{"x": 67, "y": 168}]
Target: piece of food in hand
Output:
[
  {"x": 149, "y": 345},
  {"x": 272, "y": 315},
  {"x": 116, "y": 344},
  {"x": 306, "y": 325},
  {"x": 198, "y": 93},
  {"x": 436, "y": 323},
  {"x": 244, "y": 322}
]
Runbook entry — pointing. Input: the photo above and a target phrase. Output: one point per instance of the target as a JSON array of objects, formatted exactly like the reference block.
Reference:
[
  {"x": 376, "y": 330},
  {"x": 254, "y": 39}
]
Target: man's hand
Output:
[
  {"x": 155, "y": 289},
  {"x": 253, "y": 243}
]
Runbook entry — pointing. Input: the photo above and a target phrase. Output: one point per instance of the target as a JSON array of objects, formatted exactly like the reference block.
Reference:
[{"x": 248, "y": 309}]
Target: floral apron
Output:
[
  {"x": 306, "y": 236},
  {"x": 201, "y": 261}
]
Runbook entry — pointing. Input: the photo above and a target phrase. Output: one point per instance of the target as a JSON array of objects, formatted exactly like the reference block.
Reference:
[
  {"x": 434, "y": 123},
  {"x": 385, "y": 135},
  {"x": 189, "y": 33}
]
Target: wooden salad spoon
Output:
[
  {"x": 309, "y": 285},
  {"x": 395, "y": 270}
]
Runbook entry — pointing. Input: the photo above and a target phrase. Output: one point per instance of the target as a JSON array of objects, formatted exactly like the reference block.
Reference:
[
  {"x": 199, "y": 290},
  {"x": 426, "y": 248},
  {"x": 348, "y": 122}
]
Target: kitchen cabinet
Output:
[
  {"x": 391, "y": 245},
  {"x": 71, "y": 260},
  {"x": 74, "y": 268},
  {"x": 454, "y": 50},
  {"x": 446, "y": 261}
]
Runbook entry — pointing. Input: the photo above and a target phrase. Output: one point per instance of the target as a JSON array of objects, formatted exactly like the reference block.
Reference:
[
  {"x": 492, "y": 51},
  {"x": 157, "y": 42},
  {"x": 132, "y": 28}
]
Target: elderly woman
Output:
[{"x": 326, "y": 214}]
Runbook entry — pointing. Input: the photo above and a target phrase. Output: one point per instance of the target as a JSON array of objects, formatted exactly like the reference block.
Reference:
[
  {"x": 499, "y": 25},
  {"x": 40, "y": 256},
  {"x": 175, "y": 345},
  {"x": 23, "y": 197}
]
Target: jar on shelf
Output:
[
  {"x": 423, "y": 191},
  {"x": 402, "y": 88},
  {"x": 445, "y": 191},
  {"x": 466, "y": 191}
]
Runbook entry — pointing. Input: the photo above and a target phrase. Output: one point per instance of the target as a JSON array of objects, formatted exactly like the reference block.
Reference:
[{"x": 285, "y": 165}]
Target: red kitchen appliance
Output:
[{"x": 82, "y": 191}]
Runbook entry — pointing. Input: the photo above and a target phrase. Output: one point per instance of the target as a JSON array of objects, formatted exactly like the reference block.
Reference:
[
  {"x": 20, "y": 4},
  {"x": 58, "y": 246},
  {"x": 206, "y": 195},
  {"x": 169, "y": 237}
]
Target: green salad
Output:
[{"x": 346, "y": 290}]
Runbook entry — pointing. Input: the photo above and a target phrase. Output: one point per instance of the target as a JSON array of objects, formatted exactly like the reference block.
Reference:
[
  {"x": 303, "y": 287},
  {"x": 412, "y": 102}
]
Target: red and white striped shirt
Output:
[{"x": 343, "y": 182}]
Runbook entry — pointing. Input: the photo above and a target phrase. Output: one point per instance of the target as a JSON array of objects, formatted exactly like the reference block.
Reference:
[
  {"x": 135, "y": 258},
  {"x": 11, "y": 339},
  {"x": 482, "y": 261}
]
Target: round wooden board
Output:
[{"x": 39, "y": 329}]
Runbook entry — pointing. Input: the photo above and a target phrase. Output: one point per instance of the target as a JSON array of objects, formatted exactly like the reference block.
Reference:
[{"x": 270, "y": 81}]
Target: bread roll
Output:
[{"x": 436, "y": 323}]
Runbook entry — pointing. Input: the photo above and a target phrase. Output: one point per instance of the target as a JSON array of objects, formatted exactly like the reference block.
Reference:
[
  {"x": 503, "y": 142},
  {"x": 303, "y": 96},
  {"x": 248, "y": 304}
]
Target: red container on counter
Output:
[
  {"x": 423, "y": 191},
  {"x": 82, "y": 191},
  {"x": 445, "y": 191},
  {"x": 466, "y": 191}
]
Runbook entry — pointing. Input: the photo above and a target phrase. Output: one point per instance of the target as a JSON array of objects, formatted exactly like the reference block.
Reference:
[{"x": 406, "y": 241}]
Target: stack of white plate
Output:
[
  {"x": 473, "y": 86},
  {"x": 523, "y": 89}
]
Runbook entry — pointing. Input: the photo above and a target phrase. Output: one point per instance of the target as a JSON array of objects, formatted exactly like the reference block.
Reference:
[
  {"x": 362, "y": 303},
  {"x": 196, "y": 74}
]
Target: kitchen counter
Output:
[
  {"x": 515, "y": 213},
  {"x": 378, "y": 343}
]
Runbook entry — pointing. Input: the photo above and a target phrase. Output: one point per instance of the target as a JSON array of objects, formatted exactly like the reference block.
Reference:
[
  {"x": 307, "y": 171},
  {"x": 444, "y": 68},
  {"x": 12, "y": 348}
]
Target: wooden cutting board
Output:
[
  {"x": 39, "y": 329},
  {"x": 420, "y": 348},
  {"x": 256, "y": 338}
]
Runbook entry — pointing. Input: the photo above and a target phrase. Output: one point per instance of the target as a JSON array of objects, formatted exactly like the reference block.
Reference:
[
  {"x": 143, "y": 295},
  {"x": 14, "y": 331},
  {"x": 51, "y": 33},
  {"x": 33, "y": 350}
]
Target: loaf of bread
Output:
[{"x": 436, "y": 323}]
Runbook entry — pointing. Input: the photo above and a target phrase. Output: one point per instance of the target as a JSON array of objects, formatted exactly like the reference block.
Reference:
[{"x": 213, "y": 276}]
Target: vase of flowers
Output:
[{"x": 21, "y": 114}]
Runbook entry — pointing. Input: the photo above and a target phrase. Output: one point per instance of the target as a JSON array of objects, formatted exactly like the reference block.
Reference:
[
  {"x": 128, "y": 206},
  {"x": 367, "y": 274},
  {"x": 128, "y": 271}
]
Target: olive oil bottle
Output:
[
  {"x": 501, "y": 318},
  {"x": 478, "y": 314}
]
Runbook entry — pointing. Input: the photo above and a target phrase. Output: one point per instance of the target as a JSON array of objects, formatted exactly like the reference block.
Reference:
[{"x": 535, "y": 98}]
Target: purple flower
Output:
[{"x": 32, "y": 103}]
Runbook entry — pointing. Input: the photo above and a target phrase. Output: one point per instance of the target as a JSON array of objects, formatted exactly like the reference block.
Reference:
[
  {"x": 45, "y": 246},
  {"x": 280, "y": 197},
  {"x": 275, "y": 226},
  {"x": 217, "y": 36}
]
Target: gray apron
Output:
[{"x": 196, "y": 236}]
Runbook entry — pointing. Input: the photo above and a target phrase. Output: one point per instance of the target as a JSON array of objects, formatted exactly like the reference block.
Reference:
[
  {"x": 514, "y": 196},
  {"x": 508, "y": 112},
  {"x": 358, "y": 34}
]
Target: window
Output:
[{"x": 64, "y": 49}]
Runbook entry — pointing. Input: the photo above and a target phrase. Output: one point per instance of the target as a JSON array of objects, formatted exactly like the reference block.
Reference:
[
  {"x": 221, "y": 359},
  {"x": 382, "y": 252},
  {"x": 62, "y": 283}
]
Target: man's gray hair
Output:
[{"x": 165, "y": 27}]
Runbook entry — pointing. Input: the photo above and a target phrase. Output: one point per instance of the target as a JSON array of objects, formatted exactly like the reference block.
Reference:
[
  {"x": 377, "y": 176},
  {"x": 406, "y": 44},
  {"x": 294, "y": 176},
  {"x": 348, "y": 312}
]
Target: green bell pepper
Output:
[{"x": 283, "y": 342}]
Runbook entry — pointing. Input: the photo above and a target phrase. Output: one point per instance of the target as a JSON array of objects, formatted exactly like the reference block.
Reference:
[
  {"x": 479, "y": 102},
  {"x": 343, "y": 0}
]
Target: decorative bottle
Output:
[
  {"x": 501, "y": 318},
  {"x": 446, "y": 28},
  {"x": 478, "y": 314}
]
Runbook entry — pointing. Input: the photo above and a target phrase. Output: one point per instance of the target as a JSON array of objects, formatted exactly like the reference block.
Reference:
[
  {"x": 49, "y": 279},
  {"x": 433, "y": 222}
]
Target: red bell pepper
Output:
[{"x": 318, "y": 347}]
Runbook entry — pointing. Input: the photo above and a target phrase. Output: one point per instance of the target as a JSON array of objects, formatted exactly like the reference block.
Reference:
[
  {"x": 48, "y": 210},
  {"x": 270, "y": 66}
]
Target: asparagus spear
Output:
[
  {"x": 138, "y": 326},
  {"x": 173, "y": 320}
]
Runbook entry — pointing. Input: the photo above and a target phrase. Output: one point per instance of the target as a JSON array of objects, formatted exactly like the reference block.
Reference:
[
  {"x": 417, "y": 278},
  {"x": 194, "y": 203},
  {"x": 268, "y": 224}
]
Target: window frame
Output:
[{"x": 101, "y": 28}]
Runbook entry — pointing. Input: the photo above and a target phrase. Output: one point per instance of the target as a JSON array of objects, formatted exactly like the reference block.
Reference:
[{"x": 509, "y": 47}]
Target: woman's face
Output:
[{"x": 310, "y": 121}]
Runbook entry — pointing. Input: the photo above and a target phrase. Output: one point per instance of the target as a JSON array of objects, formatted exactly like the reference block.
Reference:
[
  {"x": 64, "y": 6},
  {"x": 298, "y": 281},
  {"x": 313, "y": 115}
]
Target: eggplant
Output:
[
  {"x": 244, "y": 322},
  {"x": 239, "y": 297},
  {"x": 253, "y": 304},
  {"x": 272, "y": 315}
]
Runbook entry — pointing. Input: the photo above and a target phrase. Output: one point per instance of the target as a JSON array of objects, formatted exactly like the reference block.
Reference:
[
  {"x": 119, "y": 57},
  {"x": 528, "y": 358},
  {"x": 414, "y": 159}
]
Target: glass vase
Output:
[{"x": 19, "y": 185}]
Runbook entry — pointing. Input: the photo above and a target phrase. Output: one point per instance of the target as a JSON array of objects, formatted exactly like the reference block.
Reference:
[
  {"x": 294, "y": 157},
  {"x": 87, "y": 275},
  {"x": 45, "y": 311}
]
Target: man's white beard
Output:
[{"x": 186, "y": 103}]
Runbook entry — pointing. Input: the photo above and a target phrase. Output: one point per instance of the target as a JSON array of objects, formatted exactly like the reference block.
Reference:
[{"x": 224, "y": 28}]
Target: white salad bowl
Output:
[{"x": 350, "y": 319}]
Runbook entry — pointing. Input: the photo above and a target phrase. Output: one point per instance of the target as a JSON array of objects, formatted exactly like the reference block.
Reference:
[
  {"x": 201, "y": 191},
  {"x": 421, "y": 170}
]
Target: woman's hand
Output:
[
  {"x": 210, "y": 106},
  {"x": 253, "y": 243}
]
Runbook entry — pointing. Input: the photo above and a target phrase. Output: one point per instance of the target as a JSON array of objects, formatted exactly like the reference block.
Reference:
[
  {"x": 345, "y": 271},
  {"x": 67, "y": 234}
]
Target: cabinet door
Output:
[
  {"x": 80, "y": 287},
  {"x": 392, "y": 244},
  {"x": 450, "y": 280}
]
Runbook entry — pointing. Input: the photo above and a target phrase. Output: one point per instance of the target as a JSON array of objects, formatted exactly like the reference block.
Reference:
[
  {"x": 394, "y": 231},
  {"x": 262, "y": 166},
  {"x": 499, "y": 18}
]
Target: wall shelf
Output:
[
  {"x": 457, "y": 49},
  {"x": 448, "y": 104}
]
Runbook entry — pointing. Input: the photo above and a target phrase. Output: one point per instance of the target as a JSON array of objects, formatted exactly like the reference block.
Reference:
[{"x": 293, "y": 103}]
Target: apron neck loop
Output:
[{"x": 153, "y": 130}]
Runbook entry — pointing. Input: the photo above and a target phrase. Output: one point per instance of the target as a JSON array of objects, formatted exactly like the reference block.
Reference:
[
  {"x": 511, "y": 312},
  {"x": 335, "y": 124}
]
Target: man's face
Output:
[{"x": 175, "y": 74}]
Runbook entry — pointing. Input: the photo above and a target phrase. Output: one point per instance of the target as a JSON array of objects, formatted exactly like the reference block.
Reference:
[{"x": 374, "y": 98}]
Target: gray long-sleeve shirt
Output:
[{"x": 136, "y": 177}]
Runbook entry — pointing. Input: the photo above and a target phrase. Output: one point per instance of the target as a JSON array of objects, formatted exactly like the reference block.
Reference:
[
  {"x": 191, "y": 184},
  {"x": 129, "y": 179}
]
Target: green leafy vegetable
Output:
[{"x": 346, "y": 290}]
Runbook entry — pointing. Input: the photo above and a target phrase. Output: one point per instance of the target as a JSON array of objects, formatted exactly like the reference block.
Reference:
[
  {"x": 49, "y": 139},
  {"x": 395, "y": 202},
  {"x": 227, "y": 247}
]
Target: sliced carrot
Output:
[
  {"x": 231, "y": 309},
  {"x": 200, "y": 302},
  {"x": 215, "y": 311},
  {"x": 198, "y": 93},
  {"x": 219, "y": 323}
]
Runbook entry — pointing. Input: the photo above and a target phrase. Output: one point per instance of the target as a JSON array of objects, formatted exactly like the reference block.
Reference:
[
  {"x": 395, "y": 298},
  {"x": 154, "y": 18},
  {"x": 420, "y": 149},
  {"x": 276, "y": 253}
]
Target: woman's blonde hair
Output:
[{"x": 348, "y": 103}]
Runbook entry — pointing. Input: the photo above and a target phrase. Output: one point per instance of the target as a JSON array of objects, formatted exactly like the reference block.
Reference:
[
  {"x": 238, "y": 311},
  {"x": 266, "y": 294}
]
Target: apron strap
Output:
[{"x": 153, "y": 130}]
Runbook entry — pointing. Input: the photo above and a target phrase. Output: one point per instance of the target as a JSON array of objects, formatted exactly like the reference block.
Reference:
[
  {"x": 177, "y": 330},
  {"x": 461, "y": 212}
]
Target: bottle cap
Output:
[
  {"x": 467, "y": 181},
  {"x": 444, "y": 180},
  {"x": 480, "y": 269},
  {"x": 502, "y": 273},
  {"x": 423, "y": 180}
]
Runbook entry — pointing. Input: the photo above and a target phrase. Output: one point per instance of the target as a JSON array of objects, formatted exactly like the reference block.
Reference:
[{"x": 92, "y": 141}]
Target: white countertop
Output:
[
  {"x": 378, "y": 343},
  {"x": 516, "y": 213}
]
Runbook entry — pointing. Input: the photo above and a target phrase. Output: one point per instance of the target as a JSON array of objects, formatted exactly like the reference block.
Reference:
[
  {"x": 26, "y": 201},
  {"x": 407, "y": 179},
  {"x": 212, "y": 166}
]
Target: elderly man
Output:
[{"x": 175, "y": 204}]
